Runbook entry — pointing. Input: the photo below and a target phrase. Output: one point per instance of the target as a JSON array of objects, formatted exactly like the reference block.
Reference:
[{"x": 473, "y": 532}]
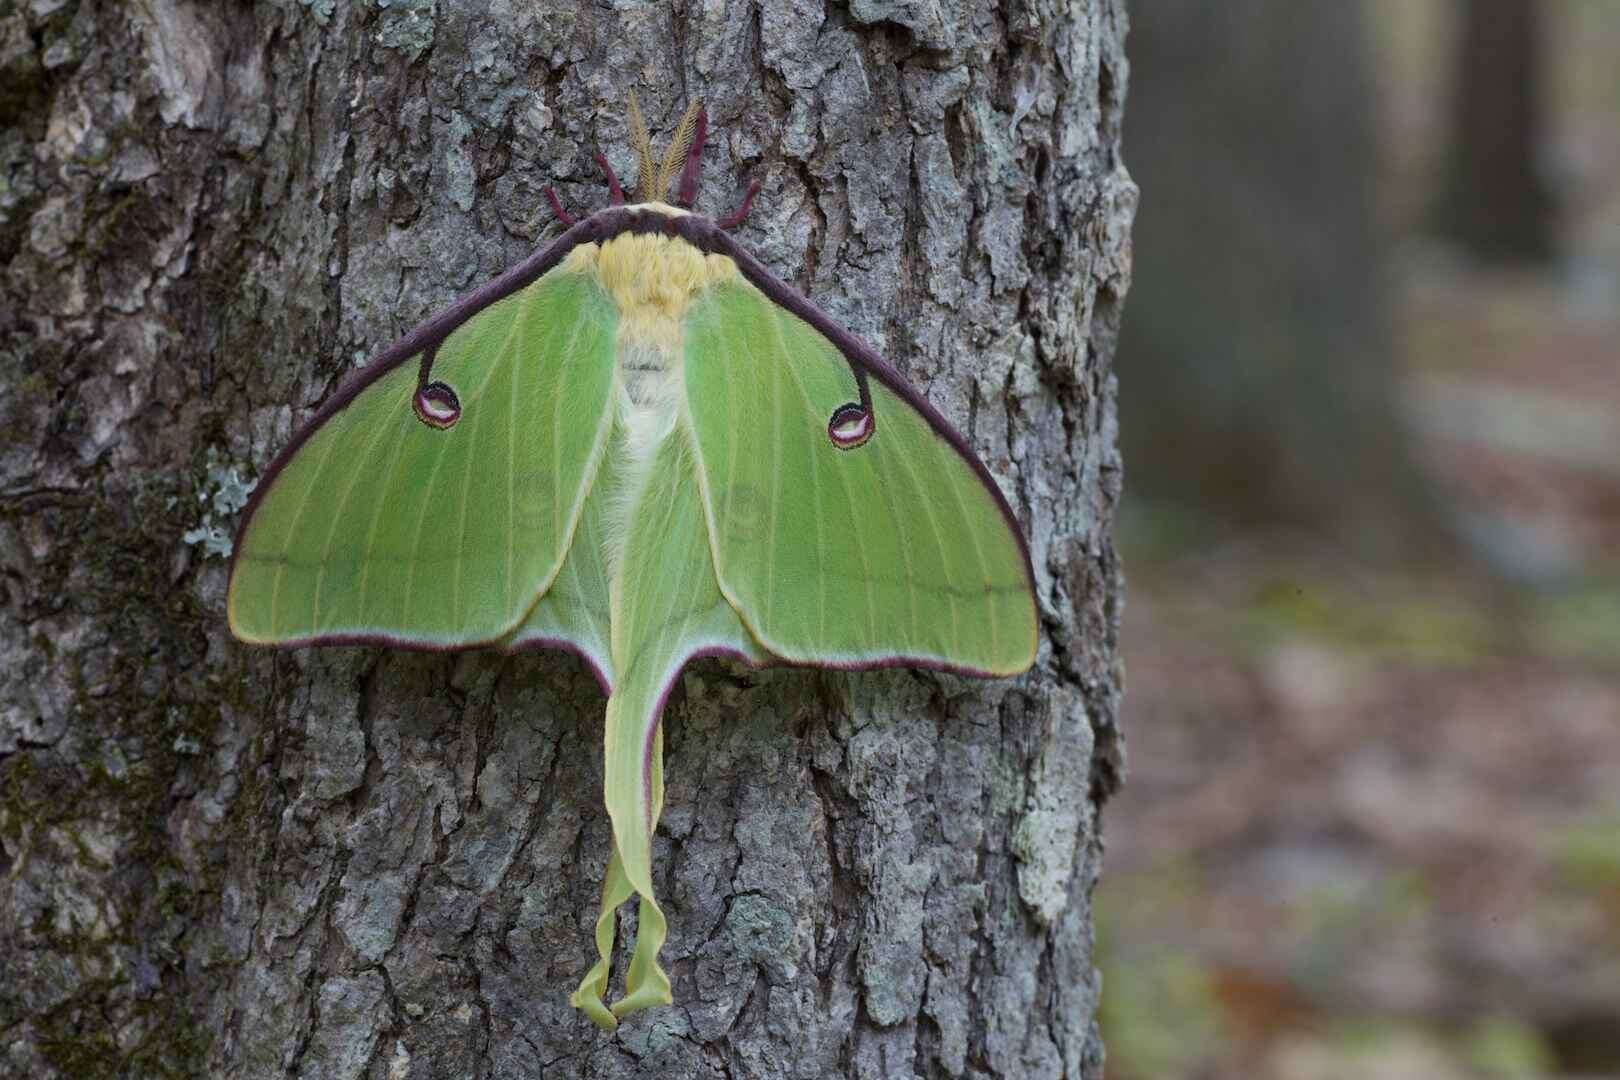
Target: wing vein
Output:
[
  {"x": 903, "y": 462},
  {"x": 991, "y": 596},
  {"x": 377, "y": 513},
  {"x": 337, "y": 517},
  {"x": 856, "y": 522},
  {"x": 303, "y": 504}
]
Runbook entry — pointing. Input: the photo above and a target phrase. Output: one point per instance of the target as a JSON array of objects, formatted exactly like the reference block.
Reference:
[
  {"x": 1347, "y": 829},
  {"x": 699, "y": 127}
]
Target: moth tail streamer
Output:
[{"x": 634, "y": 813}]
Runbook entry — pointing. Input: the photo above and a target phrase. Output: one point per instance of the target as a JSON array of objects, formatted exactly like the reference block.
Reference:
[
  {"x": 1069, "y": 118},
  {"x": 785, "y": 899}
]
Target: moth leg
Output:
[
  {"x": 735, "y": 218},
  {"x": 557, "y": 208},
  {"x": 615, "y": 192}
]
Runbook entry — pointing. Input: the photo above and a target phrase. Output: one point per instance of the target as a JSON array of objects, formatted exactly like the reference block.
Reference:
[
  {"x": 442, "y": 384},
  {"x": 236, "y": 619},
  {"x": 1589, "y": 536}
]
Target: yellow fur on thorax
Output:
[{"x": 651, "y": 279}]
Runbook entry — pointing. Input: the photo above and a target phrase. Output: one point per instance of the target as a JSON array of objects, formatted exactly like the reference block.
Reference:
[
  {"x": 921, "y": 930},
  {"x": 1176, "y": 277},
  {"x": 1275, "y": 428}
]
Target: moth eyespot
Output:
[
  {"x": 849, "y": 427},
  {"x": 437, "y": 406}
]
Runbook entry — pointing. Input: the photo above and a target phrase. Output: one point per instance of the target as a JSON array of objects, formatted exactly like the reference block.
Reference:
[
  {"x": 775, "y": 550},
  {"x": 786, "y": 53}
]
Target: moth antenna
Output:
[
  {"x": 687, "y": 140},
  {"x": 642, "y": 145},
  {"x": 557, "y": 207},
  {"x": 735, "y": 218},
  {"x": 615, "y": 192}
]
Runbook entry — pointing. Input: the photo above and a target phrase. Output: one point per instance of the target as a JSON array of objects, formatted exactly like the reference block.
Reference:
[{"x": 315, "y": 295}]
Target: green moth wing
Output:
[
  {"x": 376, "y": 526},
  {"x": 576, "y": 611},
  {"x": 851, "y": 527}
]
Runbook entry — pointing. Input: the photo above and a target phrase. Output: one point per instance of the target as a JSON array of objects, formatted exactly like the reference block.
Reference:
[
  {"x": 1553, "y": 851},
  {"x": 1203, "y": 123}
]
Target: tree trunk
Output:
[
  {"x": 1495, "y": 203},
  {"x": 1258, "y": 358},
  {"x": 225, "y": 861}
]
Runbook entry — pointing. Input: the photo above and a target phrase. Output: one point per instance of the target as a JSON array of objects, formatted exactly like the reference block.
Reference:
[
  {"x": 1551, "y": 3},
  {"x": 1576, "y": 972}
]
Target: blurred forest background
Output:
[{"x": 1371, "y": 414}]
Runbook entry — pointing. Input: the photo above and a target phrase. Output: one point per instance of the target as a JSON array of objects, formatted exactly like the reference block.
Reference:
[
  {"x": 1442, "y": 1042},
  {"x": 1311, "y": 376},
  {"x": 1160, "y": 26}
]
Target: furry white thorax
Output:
[
  {"x": 649, "y": 385},
  {"x": 652, "y": 280}
]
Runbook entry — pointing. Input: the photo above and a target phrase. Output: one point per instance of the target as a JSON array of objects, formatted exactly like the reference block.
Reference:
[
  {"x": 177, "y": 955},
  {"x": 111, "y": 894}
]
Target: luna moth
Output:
[{"x": 640, "y": 446}]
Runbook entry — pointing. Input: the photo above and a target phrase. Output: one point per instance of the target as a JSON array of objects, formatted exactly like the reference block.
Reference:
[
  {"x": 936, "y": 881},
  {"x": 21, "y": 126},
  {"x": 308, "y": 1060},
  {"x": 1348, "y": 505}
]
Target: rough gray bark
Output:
[{"x": 342, "y": 863}]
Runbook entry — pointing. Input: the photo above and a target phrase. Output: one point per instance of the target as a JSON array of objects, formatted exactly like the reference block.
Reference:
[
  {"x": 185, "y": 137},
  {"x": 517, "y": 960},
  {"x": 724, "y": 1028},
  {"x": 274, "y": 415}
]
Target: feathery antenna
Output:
[
  {"x": 641, "y": 143},
  {"x": 680, "y": 146}
]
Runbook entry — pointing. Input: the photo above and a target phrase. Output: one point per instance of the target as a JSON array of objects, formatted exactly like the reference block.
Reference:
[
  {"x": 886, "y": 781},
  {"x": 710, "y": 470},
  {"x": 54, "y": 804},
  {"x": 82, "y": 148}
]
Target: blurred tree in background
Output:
[
  {"x": 1371, "y": 827},
  {"x": 1494, "y": 202},
  {"x": 1257, "y": 362}
]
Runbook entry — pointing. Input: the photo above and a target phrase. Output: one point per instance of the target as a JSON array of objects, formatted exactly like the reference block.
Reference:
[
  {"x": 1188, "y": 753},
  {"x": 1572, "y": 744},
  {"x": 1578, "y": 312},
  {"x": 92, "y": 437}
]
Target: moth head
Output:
[{"x": 680, "y": 163}]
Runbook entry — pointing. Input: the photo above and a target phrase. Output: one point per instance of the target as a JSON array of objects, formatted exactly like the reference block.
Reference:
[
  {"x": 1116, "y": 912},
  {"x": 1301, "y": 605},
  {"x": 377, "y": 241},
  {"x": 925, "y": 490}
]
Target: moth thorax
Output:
[
  {"x": 646, "y": 366},
  {"x": 649, "y": 275},
  {"x": 647, "y": 424}
]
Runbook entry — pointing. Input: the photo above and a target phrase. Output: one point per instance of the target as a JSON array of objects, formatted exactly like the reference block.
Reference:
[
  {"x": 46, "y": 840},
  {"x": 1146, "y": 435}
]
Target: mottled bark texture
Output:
[{"x": 340, "y": 863}]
